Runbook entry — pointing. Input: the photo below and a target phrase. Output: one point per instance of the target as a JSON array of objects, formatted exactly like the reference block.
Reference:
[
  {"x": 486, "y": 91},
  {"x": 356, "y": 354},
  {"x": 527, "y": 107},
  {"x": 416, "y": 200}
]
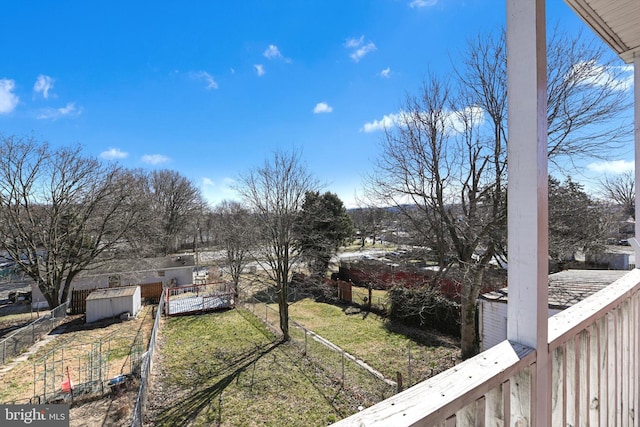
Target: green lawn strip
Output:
[
  {"x": 226, "y": 368},
  {"x": 365, "y": 336}
]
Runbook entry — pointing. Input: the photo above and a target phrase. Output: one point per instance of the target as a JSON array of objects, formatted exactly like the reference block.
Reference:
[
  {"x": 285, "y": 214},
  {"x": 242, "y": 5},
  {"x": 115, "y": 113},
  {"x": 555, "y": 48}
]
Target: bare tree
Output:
[
  {"x": 444, "y": 163},
  {"x": 587, "y": 91},
  {"x": 621, "y": 190},
  {"x": 236, "y": 231},
  {"x": 588, "y": 100},
  {"x": 369, "y": 221},
  {"x": 175, "y": 203},
  {"x": 60, "y": 212},
  {"x": 275, "y": 193},
  {"x": 449, "y": 184}
]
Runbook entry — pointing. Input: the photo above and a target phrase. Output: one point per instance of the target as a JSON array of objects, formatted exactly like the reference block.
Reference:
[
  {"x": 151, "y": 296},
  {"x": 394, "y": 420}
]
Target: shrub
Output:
[{"x": 424, "y": 307}]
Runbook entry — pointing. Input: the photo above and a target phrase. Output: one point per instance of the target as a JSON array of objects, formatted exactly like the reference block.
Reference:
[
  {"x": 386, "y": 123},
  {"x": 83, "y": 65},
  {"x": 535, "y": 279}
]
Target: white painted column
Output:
[
  {"x": 528, "y": 194},
  {"x": 636, "y": 128}
]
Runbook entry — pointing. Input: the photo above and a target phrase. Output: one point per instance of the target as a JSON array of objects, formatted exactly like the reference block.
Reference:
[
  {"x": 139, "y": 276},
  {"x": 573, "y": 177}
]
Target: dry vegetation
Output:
[{"x": 70, "y": 346}]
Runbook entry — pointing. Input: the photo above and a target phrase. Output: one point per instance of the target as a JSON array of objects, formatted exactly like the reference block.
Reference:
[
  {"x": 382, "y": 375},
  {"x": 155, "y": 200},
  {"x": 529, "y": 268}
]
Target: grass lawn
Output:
[
  {"x": 226, "y": 369},
  {"x": 384, "y": 347}
]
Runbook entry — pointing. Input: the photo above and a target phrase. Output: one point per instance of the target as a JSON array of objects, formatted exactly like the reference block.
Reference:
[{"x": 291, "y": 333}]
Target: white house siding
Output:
[
  {"x": 174, "y": 276},
  {"x": 108, "y": 303},
  {"x": 493, "y": 322}
]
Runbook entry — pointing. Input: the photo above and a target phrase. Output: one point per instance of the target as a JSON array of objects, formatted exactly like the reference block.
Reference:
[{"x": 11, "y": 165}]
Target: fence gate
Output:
[{"x": 79, "y": 300}]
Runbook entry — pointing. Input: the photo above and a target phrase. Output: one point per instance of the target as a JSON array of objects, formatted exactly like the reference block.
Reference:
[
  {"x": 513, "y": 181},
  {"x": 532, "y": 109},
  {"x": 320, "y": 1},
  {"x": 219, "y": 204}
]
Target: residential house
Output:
[{"x": 173, "y": 270}]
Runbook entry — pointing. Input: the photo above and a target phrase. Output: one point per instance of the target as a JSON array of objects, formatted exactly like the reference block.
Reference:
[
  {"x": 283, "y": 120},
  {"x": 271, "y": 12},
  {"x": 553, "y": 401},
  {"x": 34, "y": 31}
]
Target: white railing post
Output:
[
  {"x": 636, "y": 133},
  {"x": 528, "y": 202}
]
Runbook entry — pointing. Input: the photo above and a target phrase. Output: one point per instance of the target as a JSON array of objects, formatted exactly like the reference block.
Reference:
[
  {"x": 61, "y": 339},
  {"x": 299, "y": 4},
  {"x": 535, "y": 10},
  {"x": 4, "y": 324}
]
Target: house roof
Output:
[
  {"x": 615, "y": 21},
  {"x": 568, "y": 287},
  {"x": 132, "y": 265},
  {"x": 125, "y": 291}
]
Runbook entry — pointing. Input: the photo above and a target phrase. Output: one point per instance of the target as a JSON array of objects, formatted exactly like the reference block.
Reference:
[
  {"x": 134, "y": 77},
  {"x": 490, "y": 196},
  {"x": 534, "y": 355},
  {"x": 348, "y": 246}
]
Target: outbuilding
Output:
[
  {"x": 113, "y": 303},
  {"x": 566, "y": 288}
]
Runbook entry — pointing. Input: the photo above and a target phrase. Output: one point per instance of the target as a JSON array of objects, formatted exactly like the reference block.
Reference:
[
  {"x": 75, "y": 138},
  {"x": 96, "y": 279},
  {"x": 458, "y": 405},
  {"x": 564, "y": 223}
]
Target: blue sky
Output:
[{"x": 212, "y": 88}]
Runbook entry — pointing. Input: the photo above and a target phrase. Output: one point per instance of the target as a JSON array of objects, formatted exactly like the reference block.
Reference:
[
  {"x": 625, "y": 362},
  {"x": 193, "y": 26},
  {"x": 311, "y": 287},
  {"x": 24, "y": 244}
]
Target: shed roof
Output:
[
  {"x": 568, "y": 287},
  {"x": 124, "y": 291},
  {"x": 615, "y": 21}
]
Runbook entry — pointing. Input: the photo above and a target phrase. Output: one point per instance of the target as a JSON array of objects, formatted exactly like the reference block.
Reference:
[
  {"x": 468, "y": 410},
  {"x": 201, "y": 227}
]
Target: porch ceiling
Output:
[{"x": 617, "y": 22}]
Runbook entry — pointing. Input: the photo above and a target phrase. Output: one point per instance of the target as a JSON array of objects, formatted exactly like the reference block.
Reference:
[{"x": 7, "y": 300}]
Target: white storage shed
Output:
[
  {"x": 566, "y": 288},
  {"x": 113, "y": 302}
]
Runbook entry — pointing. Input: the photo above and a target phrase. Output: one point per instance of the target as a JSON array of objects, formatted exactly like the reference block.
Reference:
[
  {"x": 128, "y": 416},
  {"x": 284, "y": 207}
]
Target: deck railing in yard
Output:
[{"x": 593, "y": 367}]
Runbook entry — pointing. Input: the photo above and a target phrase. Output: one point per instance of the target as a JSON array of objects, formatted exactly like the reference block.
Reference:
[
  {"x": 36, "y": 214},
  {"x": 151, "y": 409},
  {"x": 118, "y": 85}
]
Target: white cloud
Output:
[
  {"x": 322, "y": 107},
  {"x": 8, "y": 100},
  {"x": 272, "y": 52},
  {"x": 452, "y": 119},
  {"x": 69, "y": 110},
  {"x": 353, "y": 43},
  {"x": 473, "y": 116},
  {"x": 43, "y": 85},
  {"x": 422, "y": 3},
  {"x": 155, "y": 159},
  {"x": 206, "y": 77},
  {"x": 387, "y": 122},
  {"x": 217, "y": 191},
  {"x": 259, "y": 69},
  {"x": 359, "y": 49},
  {"x": 114, "y": 154},
  {"x": 385, "y": 73},
  {"x": 591, "y": 73},
  {"x": 613, "y": 166}
]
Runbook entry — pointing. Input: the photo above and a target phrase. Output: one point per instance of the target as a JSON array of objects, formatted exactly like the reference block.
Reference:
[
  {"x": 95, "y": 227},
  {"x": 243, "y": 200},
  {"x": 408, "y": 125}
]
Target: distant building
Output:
[
  {"x": 615, "y": 257},
  {"x": 176, "y": 270}
]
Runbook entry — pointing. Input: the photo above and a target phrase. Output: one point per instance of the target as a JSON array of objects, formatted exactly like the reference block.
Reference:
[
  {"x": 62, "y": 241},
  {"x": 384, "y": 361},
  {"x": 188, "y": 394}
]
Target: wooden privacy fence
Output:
[
  {"x": 344, "y": 291},
  {"x": 79, "y": 300},
  {"x": 151, "y": 292}
]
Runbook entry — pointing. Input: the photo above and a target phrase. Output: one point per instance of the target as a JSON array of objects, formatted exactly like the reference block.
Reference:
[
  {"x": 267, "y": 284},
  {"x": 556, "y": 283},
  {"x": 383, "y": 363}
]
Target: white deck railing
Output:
[{"x": 594, "y": 373}]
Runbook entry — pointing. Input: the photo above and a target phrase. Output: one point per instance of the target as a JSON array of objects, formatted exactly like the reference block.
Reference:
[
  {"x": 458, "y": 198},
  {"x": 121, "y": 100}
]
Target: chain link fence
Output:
[
  {"x": 20, "y": 340},
  {"x": 345, "y": 370},
  {"x": 68, "y": 372},
  {"x": 145, "y": 370},
  {"x": 417, "y": 363}
]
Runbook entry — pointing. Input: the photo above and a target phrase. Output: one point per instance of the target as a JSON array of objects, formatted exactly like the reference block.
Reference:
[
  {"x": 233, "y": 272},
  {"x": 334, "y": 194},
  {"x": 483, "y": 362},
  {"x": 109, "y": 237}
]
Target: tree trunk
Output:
[
  {"x": 283, "y": 307},
  {"x": 469, "y": 298}
]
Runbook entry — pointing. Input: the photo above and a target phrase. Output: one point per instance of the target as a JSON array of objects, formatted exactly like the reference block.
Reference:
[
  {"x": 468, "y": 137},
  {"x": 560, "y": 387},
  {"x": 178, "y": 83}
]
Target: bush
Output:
[{"x": 424, "y": 307}]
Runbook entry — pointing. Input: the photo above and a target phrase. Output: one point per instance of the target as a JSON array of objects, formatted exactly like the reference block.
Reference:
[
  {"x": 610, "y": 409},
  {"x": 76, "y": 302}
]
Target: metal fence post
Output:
[
  {"x": 409, "y": 368},
  {"x": 305, "y": 342},
  {"x": 343, "y": 367}
]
